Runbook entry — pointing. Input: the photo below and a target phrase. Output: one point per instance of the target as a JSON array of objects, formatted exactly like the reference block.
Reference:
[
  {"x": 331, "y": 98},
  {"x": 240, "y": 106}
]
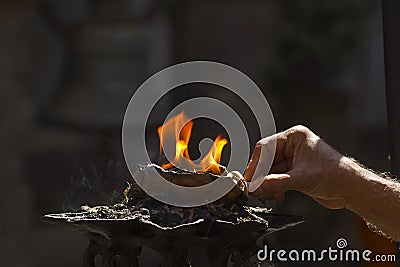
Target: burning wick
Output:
[{"x": 181, "y": 129}]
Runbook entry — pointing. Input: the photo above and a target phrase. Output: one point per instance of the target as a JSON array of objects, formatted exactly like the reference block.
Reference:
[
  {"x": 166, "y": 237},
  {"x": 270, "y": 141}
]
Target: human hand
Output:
[{"x": 305, "y": 163}]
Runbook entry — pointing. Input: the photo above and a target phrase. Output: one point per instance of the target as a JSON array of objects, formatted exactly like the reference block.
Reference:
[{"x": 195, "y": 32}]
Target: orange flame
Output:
[{"x": 181, "y": 129}]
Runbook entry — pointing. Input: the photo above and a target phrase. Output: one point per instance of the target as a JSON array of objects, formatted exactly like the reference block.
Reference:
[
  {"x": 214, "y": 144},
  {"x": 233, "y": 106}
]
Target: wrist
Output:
[
  {"x": 351, "y": 177},
  {"x": 358, "y": 184}
]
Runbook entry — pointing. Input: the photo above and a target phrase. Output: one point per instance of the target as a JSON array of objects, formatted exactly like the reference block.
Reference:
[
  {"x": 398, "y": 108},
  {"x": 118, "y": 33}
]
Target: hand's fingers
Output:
[
  {"x": 279, "y": 198},
  {"x": 331, "y": 204},
  {"x": 289, "y": 148},
  {"x": 281, "y": 140},
  {"x": 251, "y": 167},
  {"x": 275, "y": 184},
  {"x": 280, "y": 167},
  {"x": 263, "y": 151}
]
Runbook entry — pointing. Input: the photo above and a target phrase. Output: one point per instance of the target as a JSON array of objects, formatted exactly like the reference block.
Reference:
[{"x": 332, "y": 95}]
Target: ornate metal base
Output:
[{"x": 119, "y": 240}]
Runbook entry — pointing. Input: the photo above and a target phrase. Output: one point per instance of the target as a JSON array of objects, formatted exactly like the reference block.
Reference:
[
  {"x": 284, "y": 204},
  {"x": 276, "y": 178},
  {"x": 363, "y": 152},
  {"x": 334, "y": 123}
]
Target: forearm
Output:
[{"x": 372, "y": 197}]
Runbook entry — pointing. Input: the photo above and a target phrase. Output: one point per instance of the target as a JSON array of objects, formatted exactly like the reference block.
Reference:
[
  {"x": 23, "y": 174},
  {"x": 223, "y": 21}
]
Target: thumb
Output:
[{"x": 276, "y": 184}]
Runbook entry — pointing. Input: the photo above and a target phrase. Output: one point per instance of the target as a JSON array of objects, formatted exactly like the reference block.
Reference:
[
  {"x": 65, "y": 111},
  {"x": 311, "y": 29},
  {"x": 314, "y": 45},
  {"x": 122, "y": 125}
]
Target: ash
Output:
[{"x": 136, "y": 204}]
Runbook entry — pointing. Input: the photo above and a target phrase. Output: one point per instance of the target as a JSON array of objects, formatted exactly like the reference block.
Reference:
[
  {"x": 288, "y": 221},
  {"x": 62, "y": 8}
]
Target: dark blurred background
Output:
[{"x": 69, "y": 67}]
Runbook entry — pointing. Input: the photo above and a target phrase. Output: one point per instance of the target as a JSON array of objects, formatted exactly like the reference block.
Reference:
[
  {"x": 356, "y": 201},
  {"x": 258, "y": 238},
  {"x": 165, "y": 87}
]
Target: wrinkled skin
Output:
[{"x": 305, "y": 163}]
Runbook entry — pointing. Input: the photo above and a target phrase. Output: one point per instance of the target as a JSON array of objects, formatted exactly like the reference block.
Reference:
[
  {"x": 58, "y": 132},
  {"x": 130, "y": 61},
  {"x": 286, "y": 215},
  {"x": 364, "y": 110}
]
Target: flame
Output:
[{"x": 181, "y": 129}]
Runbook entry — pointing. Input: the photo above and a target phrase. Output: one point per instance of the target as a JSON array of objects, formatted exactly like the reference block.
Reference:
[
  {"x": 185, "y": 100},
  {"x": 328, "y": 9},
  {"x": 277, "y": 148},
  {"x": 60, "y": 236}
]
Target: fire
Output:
[{"x": 181, "y": 129}]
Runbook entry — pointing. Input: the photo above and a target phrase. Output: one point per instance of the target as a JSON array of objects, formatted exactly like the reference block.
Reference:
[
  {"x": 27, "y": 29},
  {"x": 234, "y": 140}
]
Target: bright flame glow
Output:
[{"x": 210, "y": 163}]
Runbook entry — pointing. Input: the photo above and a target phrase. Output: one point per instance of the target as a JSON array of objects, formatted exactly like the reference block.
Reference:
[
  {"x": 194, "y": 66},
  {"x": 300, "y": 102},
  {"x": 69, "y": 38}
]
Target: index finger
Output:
[
  {"x": 273, "y": 144},
  {"x": 251, "y": 167}
]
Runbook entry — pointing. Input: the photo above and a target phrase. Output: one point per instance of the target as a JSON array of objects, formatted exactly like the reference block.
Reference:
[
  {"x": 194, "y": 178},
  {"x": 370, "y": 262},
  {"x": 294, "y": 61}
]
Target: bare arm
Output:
[
  {"x": 376, "y": 199},
  {"x": 305, "y": 163}
]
